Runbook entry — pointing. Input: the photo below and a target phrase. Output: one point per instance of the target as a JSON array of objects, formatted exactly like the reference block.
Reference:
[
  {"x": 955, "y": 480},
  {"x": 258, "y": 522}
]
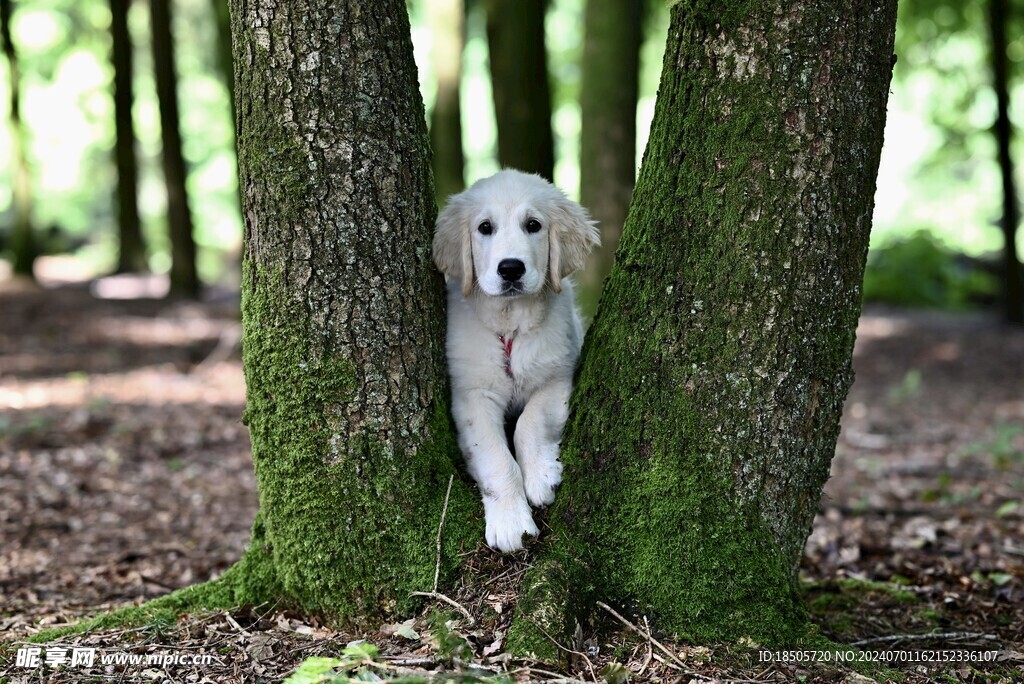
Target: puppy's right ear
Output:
[{"x": 453, "y": 251}]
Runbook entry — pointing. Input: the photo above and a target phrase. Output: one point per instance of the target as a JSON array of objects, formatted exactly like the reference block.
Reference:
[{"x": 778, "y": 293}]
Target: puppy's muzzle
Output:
[{"x": 511, "y": 270}]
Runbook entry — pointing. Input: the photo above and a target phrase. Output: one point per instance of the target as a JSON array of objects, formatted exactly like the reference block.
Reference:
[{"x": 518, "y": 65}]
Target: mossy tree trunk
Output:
[
  {"x": 23, "y": 243},
  {"x": 184, "y": 277},
  {"x": 342, "y": 312},
  {"x": 1013, "y": 278},
  {"x": 712, "y": 381},
  {"x": 519, "y": 81},
  {"x": 610, "y": 82},
  {"x": 131, "y": 255},
  {"x": 447, "y": 24}
]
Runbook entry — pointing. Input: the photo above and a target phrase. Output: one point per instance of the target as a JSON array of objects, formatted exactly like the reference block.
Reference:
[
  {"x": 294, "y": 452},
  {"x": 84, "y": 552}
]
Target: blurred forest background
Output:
[
  {"x": 117, "y": 153},
  {"x": 126, "y": 473}
]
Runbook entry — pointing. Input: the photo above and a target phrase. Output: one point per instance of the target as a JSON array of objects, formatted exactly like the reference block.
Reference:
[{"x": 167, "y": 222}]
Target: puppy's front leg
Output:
[
  {"x": 537, "y": 439},
  {"x": 480, "y": 422}
]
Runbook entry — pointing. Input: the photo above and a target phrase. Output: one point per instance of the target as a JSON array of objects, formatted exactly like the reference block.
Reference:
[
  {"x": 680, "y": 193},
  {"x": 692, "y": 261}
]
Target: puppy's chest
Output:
[{"x": 528, "y": 361}]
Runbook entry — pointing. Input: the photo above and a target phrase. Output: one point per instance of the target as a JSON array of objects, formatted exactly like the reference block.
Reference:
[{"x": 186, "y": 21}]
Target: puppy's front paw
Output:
[
  {"x": 541, "y": 475},
  {"x": 508, "y": 519}
]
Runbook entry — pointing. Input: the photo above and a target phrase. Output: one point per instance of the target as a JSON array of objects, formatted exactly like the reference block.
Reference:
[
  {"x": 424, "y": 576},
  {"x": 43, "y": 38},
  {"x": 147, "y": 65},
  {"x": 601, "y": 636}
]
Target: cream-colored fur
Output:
[{"x": 537, "y": 313}]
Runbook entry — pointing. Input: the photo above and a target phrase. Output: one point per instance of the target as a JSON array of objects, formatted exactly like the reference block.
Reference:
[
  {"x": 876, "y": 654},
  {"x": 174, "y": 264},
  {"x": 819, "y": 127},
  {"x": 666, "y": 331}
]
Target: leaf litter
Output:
[{"x": 125, "y": 474}]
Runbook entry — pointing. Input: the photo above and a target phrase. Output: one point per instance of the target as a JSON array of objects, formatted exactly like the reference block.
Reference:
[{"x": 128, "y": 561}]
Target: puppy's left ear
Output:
[{"x": 572, "y": 234}]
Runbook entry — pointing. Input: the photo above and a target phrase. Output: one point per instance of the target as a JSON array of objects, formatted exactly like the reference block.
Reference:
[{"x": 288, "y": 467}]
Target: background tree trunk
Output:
[
  {"x": 184, "y": 278},
  {"x": 342, "y": 310},
  {"x": 131, "y": 255},
  {"x": 611, "y": 58},
  {"x": 23, "y": 244},
  {"x": 712, "y": 380},
  {"x": 225, "y": 59},
  {"x": 1013, "y": 285},
  {"x": 519, "y": 80},
  {"x": 447, "y": 25}
]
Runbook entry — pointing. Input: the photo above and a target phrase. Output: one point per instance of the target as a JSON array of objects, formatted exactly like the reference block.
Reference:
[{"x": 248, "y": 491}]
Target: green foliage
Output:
[
  {"x": 907, "y": 388},
  {"x": 67, "y": 103},
  {"x": 615, "y": 673},
  {"x": 1005, "y": 446},
  {"x": 918, "y": 270},
  {"x": 939, "y": 167},
  {"x": 448, "y": 644},
  {"x": 1005, "y": 450},
  {"x": 314, "y": 670},
  {"x": 359, "y": 662}
]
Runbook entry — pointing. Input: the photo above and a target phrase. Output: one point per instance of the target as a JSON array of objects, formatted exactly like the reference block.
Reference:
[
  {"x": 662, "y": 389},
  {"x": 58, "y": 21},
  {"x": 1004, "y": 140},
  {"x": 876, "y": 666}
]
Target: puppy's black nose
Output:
[{"x": 511, "y": 269}]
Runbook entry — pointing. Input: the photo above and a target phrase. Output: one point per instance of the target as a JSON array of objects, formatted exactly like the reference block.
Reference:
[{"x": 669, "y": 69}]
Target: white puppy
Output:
[{"x": 514, "y": 335}]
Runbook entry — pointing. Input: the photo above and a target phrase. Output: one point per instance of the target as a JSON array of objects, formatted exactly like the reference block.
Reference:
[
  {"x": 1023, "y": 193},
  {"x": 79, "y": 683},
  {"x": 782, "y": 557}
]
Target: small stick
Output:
[
  {"x": 234, "y": 623},
  {"x": 434, "y": 593},
  {"x": 451, "y": 602},
  {"x": 444, "y": 512},
  {"x": 650, "y": 651},
  {"x": 669, "y": 664},
  {"x": 590, "y": 665},
  {"x": 555, "y": 676},
  {"x": 408, "y": 662},
  {"x": 645, "y": 635},
  {"x": 924, "y": 637}
]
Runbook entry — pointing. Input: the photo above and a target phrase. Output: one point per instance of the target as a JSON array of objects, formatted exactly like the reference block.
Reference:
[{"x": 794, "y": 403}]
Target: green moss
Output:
[
  {"x": 711, "y": 382},
  {"x": 542, "y": 608},
  {"x": 860, "y": 587},
  {"x": 349, "y": 524}
]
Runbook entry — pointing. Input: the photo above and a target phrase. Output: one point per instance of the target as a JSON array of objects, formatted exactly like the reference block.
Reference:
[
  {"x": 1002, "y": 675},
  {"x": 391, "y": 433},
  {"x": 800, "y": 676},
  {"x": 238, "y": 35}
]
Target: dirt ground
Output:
[{"x": 125, "y": 473}]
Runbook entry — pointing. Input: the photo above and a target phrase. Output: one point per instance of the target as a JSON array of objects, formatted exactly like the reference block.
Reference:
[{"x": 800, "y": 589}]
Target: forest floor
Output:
[{"x": 125, "y": 473}]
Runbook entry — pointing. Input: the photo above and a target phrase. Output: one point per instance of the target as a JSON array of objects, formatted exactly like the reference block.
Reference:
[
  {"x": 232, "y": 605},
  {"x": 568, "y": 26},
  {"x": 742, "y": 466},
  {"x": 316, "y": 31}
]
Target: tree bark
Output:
[
  {"x": 23, "y": 243},
  {"x": 711, "y": 383},
  {"x": 519, "y": 80},
  {"x": 611, "y": 59},
  {"x": 184, "y": 278},
  {"x": 131, "y": 255},
  {"x": 342, "y": 311},
  {"x": 447, "y": 24},
  {"x": 1013, "y": 284}
]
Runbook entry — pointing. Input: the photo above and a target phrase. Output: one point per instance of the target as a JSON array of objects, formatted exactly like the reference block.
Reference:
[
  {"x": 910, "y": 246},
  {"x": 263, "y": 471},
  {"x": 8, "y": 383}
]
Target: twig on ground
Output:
[
  {"x": 650, "y": 651},
  {"x": 434, "y": 593},
  {"x": 645, "y": 635},
  {"x": 555, "y": 676},
  {"x": 444, "y": 513},
  {"x": 590, "y": 665},
  {"x": 669, "y": 664},
  {"x": 234, "y": 623},
  {"x": 451, "y": 602},
  {"x": 925, "y": 637},
  {"x": 409, "y": 662}
]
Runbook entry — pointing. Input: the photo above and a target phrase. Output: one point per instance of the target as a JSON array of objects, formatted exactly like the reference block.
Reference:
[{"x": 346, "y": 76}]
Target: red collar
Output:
[{"x": 507, "y": 343}]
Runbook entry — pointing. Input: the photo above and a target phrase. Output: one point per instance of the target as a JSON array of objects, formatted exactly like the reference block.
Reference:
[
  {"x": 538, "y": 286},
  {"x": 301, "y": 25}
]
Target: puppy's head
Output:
[{"x": 512, "y": 234}]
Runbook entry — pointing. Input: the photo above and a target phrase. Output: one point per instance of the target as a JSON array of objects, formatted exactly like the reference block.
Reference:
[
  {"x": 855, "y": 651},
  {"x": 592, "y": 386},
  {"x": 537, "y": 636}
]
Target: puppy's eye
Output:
[
  {"x": 532, "y": 226},
  {"x": 485, "y": 228}
]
